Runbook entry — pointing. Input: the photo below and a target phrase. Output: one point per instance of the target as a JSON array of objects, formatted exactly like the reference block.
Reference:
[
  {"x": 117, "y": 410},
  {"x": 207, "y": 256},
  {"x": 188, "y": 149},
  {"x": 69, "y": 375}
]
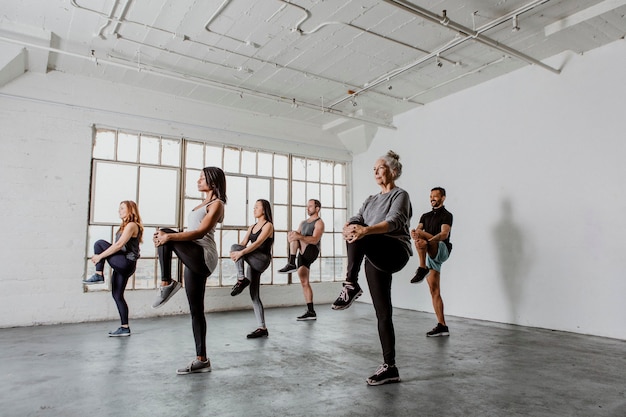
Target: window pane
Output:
[
  {"x": 340, "y": 245},
  {"x": 298, "y": 168},
  {"x": 213, "y": 156},
  {"x": 258, "y": 188},
  {"x": 340, "y": 174},
  {"x": 312, "y": 190},
  {"x": 189, "y": 205},
  {"x": 127, "y": 147},
  {"x": 327, "y": 244},
  {"x": 313, "y": 170},
  {"x": 104, "y": 145},
  {"x": 149, "y": 150},
  {"x": 231, "y": 160},
  {"x": 248, "y": 162},
  {"x": 298, "y": 213},
  {"x": 229, "y": 238},
  {"x": 214, "y": 279},
  {"x": 281, "y": 246},
  {"x": 326, "y": 195},
  {"x": 113, "y": 183},
  {"x": 326, "y": 172},
  {"x": 191, "y": 183},
  {"x": 236, "y": 208},
  {"x": 194, "y": 156},
  {"x": 147, "y": 249},
  {"x": 314, "y": 272},
  {"x": 266, "y": 277},
  {"x": 281, "y": 192},
  {"x": 95, "y": 233},
  {"x": 298, "y": 194},
  {"x": 280, "y": 279},
  {"x": 280, "y": 217},
  {"x": 145, "y": 273},
  {"x": 340, "y": 196},
  {"x": 158, "y": 195},
  {"x": 170, "y": 152},
  {"x": 265, "y": 164},
  {"x": 281, "y": 166},
  {"x": 339, "y": 219}
]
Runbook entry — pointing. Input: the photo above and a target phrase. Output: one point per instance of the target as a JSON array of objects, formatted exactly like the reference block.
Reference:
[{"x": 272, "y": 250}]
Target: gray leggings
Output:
[{"x": 257, "y": 263}]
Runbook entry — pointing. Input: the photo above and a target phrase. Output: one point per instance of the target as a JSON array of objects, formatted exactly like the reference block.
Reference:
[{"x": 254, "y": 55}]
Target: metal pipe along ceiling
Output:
[{"x": 464, "y": 34}]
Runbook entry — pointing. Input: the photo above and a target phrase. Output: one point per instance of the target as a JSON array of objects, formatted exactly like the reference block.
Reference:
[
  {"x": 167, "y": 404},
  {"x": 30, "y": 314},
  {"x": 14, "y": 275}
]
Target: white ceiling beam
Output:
[
  {"x": 37, "y": 59},
  {"x": 12, "y": 63},
  {"x": 583, "y": 15}
]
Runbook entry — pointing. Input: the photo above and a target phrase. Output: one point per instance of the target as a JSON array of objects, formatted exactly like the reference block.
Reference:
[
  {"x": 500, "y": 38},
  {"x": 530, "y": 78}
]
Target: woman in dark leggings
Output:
[
  {"x": 196, "y": 249},
  {"x": 380, "y": 234},
  {"x": 122, "y": 255},
  {"x": 255, "y": 249}
]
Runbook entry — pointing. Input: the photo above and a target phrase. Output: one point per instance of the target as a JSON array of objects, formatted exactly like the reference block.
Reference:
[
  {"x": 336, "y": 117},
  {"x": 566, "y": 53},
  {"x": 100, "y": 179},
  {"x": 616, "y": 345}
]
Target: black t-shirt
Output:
[{"x": 433, "y": 220}]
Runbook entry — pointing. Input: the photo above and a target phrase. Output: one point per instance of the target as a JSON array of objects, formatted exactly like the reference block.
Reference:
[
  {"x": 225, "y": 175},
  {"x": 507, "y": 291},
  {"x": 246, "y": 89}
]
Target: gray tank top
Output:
[
  {"x": 208, "y": 240},
  {"x": 306, "y": 229}
]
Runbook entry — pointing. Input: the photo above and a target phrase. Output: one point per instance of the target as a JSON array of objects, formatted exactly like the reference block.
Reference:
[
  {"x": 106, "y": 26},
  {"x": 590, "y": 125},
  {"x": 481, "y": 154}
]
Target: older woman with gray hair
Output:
[{"x": 379, "y": 233}]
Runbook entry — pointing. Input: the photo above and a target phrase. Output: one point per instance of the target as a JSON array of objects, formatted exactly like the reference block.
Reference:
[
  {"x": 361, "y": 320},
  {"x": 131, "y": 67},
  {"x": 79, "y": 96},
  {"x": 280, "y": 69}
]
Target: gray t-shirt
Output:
[{"x": 393, "y": 207}]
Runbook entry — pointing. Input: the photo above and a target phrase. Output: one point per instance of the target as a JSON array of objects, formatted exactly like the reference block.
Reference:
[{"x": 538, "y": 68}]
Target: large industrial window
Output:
[{"x": 160, "y": 174}]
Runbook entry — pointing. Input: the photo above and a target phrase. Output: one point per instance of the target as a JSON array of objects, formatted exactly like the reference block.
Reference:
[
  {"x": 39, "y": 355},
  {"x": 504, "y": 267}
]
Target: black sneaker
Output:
[
  {"x": 239, "y": 286},
  {"x": 420, "y": 274},
  {"x": 258, "y": 333},
  {"x": 288, "y": 269},
  {"x": 385, "y": 374},
  {"x": 309, "y": 315},
  {"x": 349, "y": 293},
  {"x": 122, "y": 331},
  {"x": 439, "y": 330}
]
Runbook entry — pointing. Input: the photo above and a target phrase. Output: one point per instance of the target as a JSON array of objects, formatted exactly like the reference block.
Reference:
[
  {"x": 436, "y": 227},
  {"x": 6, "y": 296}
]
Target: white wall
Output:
[
  {"x": 45, "y": 151},
  {"x": 533, "y": 164}
]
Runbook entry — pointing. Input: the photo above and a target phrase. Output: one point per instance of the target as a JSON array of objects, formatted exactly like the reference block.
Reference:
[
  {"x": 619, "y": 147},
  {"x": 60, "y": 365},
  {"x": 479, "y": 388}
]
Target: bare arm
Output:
[
  {"x": 442, "y": 235},
  {"x": 130, "y": 230},
  {"x": 419, "y": 233},
  {"x": 318, "y": 231},
  {"x": 266, "y": 231},
  {"x": 214, "y": 211}
]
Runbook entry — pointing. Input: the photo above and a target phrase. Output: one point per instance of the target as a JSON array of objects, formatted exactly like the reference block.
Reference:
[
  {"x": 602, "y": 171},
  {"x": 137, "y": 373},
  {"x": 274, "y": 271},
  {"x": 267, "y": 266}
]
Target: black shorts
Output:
[{"x": 309, "y": 256}]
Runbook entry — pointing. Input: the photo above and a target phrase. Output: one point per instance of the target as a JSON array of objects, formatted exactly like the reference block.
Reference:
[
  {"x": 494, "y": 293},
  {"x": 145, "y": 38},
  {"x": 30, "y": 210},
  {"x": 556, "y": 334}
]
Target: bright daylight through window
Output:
[{"x": 160, "y": 174}]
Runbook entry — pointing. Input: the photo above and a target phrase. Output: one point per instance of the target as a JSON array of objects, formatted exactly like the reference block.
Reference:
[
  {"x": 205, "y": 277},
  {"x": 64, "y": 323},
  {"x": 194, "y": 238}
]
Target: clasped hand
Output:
[
  {"x": 353, "y": 232},
  {"x": 159, "y": 238}
]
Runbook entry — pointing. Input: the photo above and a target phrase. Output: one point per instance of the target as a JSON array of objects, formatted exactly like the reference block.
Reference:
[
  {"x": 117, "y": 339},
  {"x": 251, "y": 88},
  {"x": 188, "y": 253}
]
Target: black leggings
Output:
[
  {"x": 123, "y": 269},
  {"x": 384, "y": 256},
  {"x": 258, "y": 262},
  {"x": 196, "y": 273}
]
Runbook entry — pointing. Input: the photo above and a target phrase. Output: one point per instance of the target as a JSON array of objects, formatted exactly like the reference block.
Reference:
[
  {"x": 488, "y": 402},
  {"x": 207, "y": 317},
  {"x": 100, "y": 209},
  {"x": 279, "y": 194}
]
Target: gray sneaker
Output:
[
  {"x": 165, "y": 292},
  {"x": 195, "y": 366}
]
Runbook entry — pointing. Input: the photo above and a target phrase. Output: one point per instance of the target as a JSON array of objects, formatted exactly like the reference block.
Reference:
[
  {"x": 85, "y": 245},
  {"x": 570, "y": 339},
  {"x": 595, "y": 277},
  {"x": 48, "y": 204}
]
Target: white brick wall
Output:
[{"x": 45, "y": 155}]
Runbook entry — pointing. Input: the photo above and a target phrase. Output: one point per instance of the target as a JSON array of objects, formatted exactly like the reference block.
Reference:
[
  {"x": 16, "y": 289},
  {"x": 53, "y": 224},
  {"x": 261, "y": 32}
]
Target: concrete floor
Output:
[{"x": 309, "y": 369}]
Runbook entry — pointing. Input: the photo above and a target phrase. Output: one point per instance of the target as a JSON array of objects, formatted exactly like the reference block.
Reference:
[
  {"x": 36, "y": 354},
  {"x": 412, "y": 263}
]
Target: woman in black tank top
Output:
[
  {"x": 122, "y": 256},
  {"x": 256, "y": 250}
]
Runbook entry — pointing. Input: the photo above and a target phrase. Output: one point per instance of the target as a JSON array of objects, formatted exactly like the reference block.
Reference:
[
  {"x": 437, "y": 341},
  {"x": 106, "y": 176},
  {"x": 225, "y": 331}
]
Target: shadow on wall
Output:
[{"x": 512, "y": 257}]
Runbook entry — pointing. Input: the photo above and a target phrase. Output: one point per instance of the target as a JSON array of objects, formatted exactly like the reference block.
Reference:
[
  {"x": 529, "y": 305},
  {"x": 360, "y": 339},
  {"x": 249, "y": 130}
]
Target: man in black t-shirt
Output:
[{"x": 432, "y": 241}]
